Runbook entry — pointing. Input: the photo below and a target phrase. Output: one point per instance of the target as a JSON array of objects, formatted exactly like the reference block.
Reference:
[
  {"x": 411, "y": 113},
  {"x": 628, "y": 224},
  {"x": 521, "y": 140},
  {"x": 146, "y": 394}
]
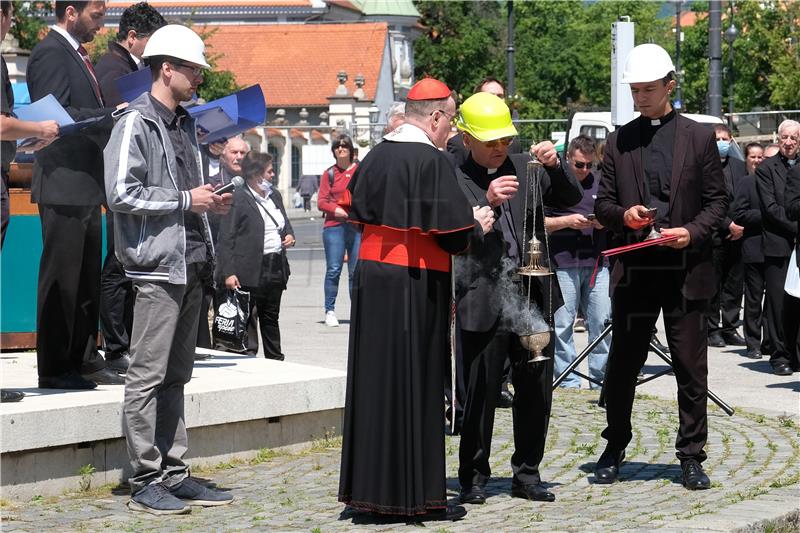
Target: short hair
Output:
[
  {"x": 750, "y": 146},
  {"x": 61, "y": 7},
  {"x": 788, "y": 123},
  {"x": 488, "y": 79},
  {"x": 347, "y": 142},
  {"x": 669, "y": 77},
  {"x": 397, "y": 108},
  {"x": 141, "y": 18},
  {"x": 255, "y": 163},
  {"x": 5, "y": 6},
  {"x": 584, "y": 143},
  {"x": 722, "y": 128},
  {"x": 423, "y": 108}
]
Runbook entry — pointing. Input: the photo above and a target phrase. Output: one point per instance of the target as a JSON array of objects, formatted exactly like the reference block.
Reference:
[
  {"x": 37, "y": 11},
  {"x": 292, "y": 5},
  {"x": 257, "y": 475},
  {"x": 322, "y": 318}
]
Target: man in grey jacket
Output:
[{"x": 155, "y": 190}]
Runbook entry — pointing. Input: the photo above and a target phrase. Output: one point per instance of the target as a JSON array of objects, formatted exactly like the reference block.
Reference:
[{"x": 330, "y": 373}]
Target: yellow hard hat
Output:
[{"x": 486, "y": 117}]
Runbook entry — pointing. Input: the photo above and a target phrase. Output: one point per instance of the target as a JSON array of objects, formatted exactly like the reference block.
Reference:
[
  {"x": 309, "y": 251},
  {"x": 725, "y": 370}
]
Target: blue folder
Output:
[
  {"x": 48, "y": 108},
  {"x": 246, "y": 109},
  {"x": 130, "y": 86}
]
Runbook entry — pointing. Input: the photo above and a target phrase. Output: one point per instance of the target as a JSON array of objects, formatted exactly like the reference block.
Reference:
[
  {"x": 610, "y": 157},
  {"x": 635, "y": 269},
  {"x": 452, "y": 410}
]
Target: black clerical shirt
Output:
[{"x": 658, "y": 142}]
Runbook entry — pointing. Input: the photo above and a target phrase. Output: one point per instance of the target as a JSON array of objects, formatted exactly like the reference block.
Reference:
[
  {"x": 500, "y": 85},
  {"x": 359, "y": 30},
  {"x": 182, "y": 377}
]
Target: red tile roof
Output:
[
  {"x": 296, "y": 64},
  {"x": 209, "y": 3}
]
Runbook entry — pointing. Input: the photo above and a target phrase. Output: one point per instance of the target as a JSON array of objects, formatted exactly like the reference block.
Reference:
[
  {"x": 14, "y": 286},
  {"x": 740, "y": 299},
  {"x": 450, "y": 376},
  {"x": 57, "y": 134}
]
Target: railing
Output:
[{"x": 760, "y": 125}]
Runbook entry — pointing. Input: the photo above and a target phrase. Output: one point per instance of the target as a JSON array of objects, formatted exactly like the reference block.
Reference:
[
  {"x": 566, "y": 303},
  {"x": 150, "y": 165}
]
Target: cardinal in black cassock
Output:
[{"x": 414, "y": 216}]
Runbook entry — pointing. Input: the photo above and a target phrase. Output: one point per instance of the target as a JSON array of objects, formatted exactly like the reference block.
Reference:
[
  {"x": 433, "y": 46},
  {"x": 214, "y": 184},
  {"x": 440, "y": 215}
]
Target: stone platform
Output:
[{"x": 235, "y": 406}]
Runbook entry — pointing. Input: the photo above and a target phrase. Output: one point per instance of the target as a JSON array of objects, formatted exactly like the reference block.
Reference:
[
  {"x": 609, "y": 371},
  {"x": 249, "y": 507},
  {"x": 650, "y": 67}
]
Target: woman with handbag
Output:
[
  {"x": 252, "y": 251},
  {"x": 339, "y": 237}
]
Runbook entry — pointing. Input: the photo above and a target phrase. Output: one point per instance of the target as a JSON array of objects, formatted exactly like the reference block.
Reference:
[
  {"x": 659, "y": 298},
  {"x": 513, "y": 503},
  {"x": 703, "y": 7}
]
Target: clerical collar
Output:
[
  {"x": 787, "y": 161},
  {"x": 658, "y": 122}
]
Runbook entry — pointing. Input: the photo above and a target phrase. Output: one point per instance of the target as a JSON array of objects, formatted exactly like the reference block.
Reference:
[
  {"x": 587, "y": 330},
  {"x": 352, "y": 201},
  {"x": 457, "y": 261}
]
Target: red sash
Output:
[{"x": 408, "y": 248}]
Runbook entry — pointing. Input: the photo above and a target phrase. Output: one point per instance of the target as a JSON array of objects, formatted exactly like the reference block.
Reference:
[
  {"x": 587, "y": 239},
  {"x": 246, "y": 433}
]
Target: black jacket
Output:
[
  {"x": 241, "y": 239},
  {"x": 114, "y": 64},
  {"x": 778, "y": 231},
  {"x": 733, "y": 171},
  {"x": 793, "y": 206},
  {"x": 746, "y": 212},
  {"x": 477, "y": 270},
  {"x": 69, "y": 171}
]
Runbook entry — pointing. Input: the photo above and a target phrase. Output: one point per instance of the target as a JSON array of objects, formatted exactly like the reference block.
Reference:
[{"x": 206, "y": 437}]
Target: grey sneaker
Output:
[
  {"x": 194, "y": 493},
  {"x": 156, "y": 499}
]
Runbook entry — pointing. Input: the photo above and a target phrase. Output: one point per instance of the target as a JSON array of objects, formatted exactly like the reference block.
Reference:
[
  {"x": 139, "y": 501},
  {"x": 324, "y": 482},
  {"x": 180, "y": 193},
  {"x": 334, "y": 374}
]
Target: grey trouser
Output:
[{"x": 162, "y": 356}]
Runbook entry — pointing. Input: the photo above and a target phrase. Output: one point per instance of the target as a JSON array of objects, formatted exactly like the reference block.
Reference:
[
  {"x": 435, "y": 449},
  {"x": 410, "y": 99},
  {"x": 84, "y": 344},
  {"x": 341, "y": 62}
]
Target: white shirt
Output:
[
  {"x": 70, "y": 39},
  {"x": 272, "y": 236}
]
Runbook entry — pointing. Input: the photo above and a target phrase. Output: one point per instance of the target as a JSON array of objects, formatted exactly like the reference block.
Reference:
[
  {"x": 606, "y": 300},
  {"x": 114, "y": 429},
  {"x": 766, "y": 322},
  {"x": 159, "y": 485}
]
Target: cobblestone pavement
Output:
[{"x": 754, "y": 463}]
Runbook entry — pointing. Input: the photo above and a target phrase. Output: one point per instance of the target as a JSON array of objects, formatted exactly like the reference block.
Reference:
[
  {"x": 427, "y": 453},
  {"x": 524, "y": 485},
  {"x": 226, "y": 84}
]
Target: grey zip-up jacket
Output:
[{"x": 142, "y": 191}]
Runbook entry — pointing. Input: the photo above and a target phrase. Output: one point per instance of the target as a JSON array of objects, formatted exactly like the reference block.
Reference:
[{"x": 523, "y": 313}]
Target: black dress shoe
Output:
[
  {"x": 281, "y": 357},
  {"x": 693, "y": 476},
  {"x": 535, "y": 492},
  {"x": 70, "y": 381},
  {"x": 105, "y": 376},
  {"x": 715, "y": 340},
  {"x": 781, "y": 369},
  {"x": 753, "y": 354},
  {"x": 8, "y": 395},
  {"x": 606, "y": 470},
  {"x": 119, "y": 363},
  {"x": 657, "y": 343},
  {"x": 732, "y": 338},
  {"x": 452, "y": 513},
  {"x": 474, "y": 494},
  {"x": 506, "y": 399}
]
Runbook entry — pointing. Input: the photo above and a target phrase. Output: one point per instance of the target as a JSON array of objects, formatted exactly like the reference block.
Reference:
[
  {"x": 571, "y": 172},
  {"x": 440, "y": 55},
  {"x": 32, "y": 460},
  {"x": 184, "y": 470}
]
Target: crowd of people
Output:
[{"x": 439, "y": 219}]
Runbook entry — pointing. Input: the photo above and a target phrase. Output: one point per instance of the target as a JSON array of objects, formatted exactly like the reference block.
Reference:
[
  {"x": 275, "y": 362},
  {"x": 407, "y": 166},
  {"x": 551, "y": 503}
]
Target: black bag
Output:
[{"x": 231, "y": 313}]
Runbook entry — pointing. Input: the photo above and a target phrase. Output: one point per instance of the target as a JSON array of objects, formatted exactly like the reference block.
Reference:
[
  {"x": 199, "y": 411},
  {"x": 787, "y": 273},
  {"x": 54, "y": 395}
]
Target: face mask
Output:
[
  {"x": 265, "y": 186},
  {"x": 723, "y": 147}
]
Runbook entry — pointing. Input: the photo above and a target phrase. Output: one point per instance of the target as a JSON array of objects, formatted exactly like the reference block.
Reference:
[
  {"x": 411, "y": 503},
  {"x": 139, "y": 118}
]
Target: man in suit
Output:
[
  {"x": 778, "y": 233},
  {"x": 668, "y": 162},
  {"x": 727, "y": 254},
  {"x": 137, "y": 23},
  {"x": 791, "y": 301},
  {"x": 67, "y": 185},
  {"x": 746, "y": 212},
  {"x": 488, "y": 300}
]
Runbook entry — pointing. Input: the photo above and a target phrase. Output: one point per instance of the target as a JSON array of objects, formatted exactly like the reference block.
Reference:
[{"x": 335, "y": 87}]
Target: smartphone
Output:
[{"x": 591, "y": 217}]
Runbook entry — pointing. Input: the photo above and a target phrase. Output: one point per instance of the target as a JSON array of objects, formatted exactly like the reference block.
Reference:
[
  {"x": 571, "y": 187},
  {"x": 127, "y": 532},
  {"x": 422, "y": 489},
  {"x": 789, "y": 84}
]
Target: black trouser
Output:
[
  {"x": 727, "y": 300},
  {"x": 484, "y": 354},
  {"x": 306, "y": 203},
  {"x": 753, "y": 295},
  {"x": 69, "y": 290},
  {"x": 791, "y": 327},
  {"x": 116, "y": 300},
  {"x": 265, "y": 304},
  {"x": 203, "y": 330},
  {"x": 774, "y": 279},
  {"x": 636, "y": 303}
]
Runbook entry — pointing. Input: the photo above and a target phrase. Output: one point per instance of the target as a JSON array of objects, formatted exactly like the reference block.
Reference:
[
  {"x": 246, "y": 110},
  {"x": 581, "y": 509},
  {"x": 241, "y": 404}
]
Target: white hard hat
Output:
[
  {"x": 645, "y": 63},
  {"x": 180, "y": 42}
]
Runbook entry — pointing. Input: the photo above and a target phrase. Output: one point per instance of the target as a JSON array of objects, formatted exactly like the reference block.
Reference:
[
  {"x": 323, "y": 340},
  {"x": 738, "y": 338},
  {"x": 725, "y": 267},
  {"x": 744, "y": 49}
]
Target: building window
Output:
[
  {"x": 297, "y": 164},
  {"x": 276, "y": 160}
]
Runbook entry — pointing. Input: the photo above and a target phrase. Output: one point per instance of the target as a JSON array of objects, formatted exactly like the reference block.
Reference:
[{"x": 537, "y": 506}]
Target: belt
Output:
[{"x": 408, "y": 248}]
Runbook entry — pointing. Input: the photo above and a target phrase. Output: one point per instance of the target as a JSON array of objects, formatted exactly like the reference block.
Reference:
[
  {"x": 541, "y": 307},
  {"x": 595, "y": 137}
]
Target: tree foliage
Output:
[
  {"x": 563, "y": 50},
  {"x": 29, "y": 24},
  {"x": 464, "y": 42},
  {"x": 216, "y": 82}
]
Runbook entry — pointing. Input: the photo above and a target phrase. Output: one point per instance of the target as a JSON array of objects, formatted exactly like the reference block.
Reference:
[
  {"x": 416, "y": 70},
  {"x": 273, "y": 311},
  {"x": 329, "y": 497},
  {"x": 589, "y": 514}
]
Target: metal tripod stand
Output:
[{"x": 655, "y": 349}]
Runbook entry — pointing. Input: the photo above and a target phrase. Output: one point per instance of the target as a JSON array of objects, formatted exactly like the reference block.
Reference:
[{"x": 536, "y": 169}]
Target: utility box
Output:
[{"x": 622, "y": 33}]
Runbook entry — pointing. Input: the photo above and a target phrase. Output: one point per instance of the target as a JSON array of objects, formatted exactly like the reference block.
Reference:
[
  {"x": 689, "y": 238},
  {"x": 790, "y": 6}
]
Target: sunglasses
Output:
[
  {"x": 580, "y": 165},
  {"x": 505, "y": 141}
]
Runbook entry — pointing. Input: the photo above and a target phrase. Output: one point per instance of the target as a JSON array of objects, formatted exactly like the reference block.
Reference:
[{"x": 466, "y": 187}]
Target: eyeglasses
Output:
[
  {"x": 505, "y": 141},
  {"x": 196, "y": 71},
  {"x": 580, "y": 165},
  {"x": 452, "y": 118}
]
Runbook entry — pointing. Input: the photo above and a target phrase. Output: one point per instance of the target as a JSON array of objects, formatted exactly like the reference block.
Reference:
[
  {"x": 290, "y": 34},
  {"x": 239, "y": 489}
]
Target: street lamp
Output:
[
  {"x": 730, "y": 35},
  {"x": 374, "y": 116}
]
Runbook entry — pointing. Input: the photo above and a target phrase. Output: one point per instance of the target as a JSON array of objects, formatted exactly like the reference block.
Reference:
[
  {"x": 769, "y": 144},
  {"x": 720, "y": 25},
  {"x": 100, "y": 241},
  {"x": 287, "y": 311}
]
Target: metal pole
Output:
[
  {"x": 731, "y": 34},
  {"x": 678, "y": 96},
  {"x": 715, "y": 58},
  {"x": 511, "y": 71}
]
